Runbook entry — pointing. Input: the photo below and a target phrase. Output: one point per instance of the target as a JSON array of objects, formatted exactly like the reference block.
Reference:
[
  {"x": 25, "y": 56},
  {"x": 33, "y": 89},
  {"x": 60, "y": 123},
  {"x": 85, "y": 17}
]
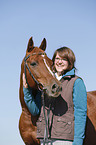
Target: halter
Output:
[{"x": 26, "y": 65}]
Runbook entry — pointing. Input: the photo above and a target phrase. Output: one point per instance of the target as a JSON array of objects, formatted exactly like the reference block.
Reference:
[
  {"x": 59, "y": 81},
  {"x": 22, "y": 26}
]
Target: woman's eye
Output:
[{"x": 33, "y": 64}]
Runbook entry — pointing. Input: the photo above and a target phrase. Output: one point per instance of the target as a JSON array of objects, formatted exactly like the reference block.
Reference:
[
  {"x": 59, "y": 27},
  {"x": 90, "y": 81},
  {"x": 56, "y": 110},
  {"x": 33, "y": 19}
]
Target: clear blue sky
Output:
[{"x": 69, "y": 23}]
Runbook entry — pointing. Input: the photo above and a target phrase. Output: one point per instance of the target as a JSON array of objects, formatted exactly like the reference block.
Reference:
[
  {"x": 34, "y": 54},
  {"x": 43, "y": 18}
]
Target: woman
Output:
[{"x": 67, "y": 118}]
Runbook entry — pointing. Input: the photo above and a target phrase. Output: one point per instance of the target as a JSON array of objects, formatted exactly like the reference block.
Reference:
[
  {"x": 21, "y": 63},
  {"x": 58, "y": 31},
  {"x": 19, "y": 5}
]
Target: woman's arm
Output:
[
  {"x": 33, "y": 104},
  {"x": 80, "y": 111}
]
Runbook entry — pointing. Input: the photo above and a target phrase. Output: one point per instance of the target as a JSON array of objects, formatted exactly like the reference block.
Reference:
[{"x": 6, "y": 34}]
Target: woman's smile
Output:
[{"x": 60, "y": 64}]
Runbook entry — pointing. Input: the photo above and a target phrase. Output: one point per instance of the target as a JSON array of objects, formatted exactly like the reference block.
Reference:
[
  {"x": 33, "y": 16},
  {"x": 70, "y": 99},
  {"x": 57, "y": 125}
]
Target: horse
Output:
[
  {"x": 90, "y": 133},
  {"x": 40, "y": 76},
  {"x": 38, "y": 71}
]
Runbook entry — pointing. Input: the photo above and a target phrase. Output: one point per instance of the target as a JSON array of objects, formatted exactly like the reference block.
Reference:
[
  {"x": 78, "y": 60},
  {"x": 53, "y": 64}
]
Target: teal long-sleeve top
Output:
[{"x": 80, "y": 106}]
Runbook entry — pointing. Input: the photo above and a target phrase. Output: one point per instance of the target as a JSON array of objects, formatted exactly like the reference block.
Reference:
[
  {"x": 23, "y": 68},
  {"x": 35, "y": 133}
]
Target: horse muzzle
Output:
[{"x": 53, "y": 91}]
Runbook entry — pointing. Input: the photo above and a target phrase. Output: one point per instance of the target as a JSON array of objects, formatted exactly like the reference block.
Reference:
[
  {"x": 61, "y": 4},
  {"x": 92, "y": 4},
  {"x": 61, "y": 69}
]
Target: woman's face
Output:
[{"x": 60, "y": 64}]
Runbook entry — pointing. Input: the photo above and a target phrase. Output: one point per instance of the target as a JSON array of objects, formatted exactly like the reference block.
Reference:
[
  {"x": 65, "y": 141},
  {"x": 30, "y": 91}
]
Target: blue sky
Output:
[{"x": 69, "y": 23}]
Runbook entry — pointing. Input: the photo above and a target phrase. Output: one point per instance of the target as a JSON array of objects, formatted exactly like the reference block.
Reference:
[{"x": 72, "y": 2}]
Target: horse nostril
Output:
[{"x": 54, "y": 86}]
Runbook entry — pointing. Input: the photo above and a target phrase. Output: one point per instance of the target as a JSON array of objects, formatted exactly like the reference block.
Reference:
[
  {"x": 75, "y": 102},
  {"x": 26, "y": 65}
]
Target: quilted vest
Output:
[{"x": 61, "y": 116}]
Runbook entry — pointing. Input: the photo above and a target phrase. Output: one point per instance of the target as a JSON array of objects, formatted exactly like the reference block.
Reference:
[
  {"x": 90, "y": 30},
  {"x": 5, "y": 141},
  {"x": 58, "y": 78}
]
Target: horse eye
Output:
[{"x": 33, "y": 64}]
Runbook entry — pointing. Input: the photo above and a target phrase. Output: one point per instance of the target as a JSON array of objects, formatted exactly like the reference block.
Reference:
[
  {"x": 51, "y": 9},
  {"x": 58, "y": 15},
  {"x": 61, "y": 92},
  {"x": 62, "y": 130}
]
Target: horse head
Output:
[{"x": 38, "y": 69}]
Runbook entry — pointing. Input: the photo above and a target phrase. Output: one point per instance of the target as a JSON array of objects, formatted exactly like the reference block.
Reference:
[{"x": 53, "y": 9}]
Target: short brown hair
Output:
[{"x": 65, "y": 53}]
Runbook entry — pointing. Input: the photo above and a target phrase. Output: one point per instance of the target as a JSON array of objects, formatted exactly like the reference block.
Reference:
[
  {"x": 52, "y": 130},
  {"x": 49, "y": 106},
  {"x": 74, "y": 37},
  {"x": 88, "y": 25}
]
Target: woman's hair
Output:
[{"x": 65, "y": 53}]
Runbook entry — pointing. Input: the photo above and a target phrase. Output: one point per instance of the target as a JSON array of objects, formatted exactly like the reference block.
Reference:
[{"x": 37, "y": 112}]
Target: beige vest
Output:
[{"x": 61, "y": 117}]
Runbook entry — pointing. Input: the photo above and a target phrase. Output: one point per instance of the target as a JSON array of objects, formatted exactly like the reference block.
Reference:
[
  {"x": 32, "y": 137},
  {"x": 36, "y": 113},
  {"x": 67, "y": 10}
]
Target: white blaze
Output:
[{"x": 48, "y": 66}]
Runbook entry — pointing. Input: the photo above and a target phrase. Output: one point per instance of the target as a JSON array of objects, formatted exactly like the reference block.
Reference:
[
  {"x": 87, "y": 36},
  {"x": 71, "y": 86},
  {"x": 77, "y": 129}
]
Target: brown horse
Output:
[
  {"x": 37, "y": 68},
  {"x": 90, "y": 136},
  {"x": 40, "y": 66}
]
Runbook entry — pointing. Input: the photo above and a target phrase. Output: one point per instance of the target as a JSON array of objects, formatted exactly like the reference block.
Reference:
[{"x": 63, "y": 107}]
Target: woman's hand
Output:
[{"x": 24, "y": 81}]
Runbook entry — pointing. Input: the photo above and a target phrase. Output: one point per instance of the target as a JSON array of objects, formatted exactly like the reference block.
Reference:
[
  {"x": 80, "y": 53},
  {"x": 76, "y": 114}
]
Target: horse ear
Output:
[
  {"x": 43, "y": 44},
  {"x": 30, "y": 45}
]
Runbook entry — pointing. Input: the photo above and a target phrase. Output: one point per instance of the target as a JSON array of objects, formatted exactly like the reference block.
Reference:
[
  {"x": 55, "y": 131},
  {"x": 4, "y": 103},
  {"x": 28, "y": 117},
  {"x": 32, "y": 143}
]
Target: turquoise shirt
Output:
[{"x": 80, "y": 106}]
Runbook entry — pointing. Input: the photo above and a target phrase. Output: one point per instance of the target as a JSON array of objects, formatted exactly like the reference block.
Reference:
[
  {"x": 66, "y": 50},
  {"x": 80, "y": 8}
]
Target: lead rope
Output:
[{"x": 45, "y": 140}]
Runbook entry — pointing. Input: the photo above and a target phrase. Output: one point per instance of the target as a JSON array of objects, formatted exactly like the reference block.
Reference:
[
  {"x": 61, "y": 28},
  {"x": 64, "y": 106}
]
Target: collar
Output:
[
  {"x": 58, "y": 77},
  {"x": 69, "y": 74}
]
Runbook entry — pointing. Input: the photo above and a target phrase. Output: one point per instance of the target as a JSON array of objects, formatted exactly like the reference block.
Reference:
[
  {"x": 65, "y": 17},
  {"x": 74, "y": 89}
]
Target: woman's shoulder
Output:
[
  {"x": 79, "y": 79},
  {"x": 79, "y": 82}
]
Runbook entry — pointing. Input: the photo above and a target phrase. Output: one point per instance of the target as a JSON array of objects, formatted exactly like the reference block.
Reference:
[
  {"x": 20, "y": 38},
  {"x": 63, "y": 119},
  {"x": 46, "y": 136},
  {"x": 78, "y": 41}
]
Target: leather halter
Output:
[{"x": 26, "y": 65}]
